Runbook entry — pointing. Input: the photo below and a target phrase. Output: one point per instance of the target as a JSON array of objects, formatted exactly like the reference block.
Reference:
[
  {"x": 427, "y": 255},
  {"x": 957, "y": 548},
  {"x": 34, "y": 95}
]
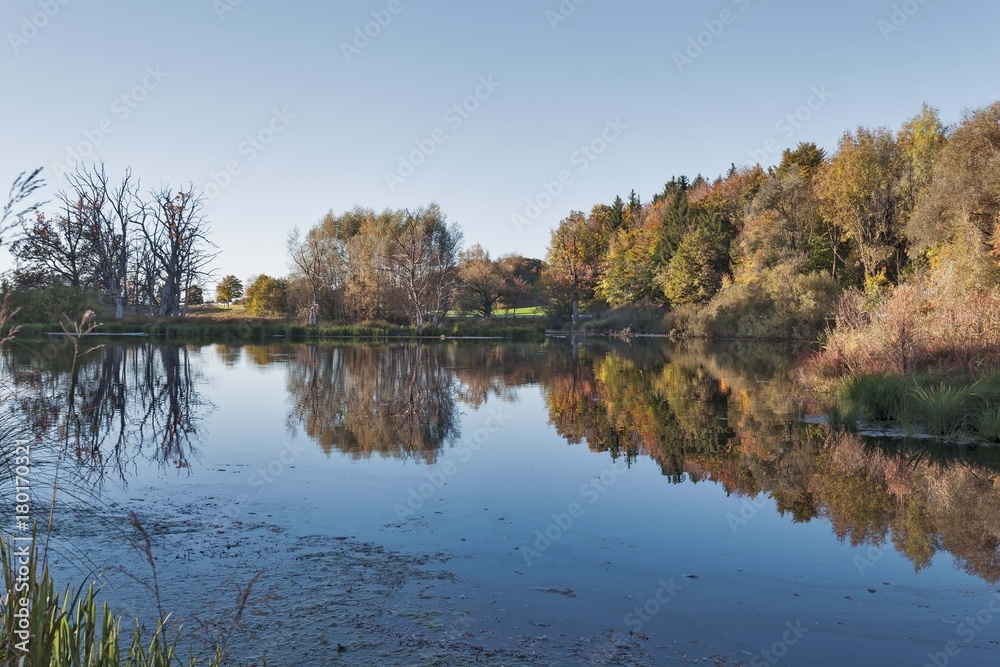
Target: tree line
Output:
[
  {"x": 396, "y": 265},
  {"x": 767, "y": 252}
]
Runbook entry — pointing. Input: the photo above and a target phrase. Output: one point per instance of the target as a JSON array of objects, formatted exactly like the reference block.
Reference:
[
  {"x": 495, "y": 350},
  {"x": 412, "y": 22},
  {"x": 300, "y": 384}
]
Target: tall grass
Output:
[
  {"x": 923, "y": 402},
  {"x": 40, "y": 627},
  {"x": 943, "y": 410},
  {"x": 880, "y": 397}
]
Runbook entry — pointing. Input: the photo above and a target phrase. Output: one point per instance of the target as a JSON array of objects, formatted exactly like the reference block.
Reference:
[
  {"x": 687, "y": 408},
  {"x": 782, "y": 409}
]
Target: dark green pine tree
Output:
[
  {"x": 617, "y": 214},
  {"x": 676, "y": 220}
]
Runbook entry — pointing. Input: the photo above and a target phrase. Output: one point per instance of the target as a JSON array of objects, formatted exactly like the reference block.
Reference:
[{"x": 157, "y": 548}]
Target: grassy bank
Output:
[
  {"x": 235, "y": 330},
  {"x": 959, "y": 406}
]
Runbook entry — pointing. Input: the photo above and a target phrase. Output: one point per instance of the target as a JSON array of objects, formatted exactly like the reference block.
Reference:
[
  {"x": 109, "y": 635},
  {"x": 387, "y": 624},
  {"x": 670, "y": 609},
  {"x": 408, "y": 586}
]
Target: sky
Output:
[{"x": 508, "y": 114}]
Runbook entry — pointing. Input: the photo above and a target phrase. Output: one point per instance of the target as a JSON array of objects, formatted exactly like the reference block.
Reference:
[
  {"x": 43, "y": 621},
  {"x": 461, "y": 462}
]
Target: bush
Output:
[
  {"x": 46, "y": 305},
  {"x": 779, "y": 304}
]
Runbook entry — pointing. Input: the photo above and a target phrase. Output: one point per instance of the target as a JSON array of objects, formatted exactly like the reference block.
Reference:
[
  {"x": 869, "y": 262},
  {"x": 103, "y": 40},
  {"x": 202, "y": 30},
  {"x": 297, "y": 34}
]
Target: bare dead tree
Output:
[
  {"x": 109, "y": 214},
  {"x": 176, "y": 235}
]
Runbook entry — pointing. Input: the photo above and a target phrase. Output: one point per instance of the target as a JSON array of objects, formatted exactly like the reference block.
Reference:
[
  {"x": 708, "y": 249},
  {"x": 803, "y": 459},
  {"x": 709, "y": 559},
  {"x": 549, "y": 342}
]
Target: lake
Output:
[{"x": 484, "y": 503}]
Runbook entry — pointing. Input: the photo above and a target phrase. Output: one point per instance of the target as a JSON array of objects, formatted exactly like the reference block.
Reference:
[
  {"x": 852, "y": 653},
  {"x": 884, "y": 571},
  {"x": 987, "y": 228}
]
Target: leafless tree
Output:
[{"x": 175, "y": 234}]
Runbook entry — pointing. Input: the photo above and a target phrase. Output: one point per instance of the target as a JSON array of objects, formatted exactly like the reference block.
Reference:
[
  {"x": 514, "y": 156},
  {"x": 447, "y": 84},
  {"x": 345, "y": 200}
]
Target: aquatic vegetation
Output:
[{"x": 943, "y": 410}]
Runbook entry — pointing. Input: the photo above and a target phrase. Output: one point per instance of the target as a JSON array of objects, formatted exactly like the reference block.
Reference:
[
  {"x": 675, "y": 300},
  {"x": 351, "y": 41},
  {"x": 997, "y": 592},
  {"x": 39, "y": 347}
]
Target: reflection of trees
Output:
[
  {"x": 397, "y": 401},
  {"x": 723, "y": 414},
  {"x": 112, "y": 404}
]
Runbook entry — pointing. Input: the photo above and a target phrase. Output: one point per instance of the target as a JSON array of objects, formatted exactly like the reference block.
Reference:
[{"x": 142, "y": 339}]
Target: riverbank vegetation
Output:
[
  {"x": 885, "y": 246},
  {"x": 891, "y": 235}
]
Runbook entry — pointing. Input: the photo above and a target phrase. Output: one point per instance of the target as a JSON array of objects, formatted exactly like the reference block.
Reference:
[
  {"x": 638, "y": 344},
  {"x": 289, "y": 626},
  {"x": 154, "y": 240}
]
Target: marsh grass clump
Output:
[
  {"x": 988, "y": 422},
  {"x": 944, "y": 410},
  {"x": 880, "y": 397}
]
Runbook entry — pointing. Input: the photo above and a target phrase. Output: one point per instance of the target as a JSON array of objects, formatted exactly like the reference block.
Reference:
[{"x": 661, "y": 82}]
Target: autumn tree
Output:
[
  {"x": 228, "y": 290},
  {"x": 483, "y": 281},
  {"x": 920, "y": 142},
  {"x": 574, "y": 259},
  {"x": 195, "y": 295},
  {"x": 964, "y": 190},
  {"x": 55, "y": 250},
  {"x": 859, "y": 190},
  {"x": 319, "y": 258},
  {"x": 422, "y": 257},
  {"x": 523, "y": 275},
  {"x": 696, "y": 269},
  {"x": 267, "y": 297},
  {"x": 177, "y": 248}
]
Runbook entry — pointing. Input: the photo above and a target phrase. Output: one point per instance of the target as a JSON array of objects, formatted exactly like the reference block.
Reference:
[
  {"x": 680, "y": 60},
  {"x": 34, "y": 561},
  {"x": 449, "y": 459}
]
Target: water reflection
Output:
[
  {"x": 397, "y": 401},
  {"x": 727, "y": 415},
  {"x": 111, "y": 405}
]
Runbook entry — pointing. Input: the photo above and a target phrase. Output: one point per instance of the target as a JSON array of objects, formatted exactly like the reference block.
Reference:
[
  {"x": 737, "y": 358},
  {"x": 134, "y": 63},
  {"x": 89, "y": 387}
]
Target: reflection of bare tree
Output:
[
  {"x": 113, "y": 403},
  {"x": 398, "y": 401}
]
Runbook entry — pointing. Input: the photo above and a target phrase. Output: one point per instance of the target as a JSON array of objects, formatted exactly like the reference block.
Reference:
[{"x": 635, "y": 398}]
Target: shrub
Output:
[
  {"x": 46, "y": 305},
  {"x": 780, "y": 303}
]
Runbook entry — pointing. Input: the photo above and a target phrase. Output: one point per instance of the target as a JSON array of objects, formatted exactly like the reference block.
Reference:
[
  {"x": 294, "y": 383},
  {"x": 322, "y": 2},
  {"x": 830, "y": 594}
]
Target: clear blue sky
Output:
[{"x": 229, "y": 65}]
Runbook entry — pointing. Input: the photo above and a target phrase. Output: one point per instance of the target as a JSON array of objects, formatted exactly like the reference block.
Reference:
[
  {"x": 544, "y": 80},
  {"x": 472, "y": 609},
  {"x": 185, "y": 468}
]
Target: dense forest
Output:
[{"x": 888, "y": 233}]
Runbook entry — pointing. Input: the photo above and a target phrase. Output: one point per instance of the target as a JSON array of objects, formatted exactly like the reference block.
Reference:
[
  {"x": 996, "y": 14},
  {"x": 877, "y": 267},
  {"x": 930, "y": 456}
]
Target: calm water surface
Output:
[{"x": 482, "y": 503}]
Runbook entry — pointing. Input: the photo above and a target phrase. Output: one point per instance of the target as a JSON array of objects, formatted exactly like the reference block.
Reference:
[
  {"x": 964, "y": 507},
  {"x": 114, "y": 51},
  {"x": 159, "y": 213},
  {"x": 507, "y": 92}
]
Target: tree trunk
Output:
[{"x": 576, "y": 310}]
